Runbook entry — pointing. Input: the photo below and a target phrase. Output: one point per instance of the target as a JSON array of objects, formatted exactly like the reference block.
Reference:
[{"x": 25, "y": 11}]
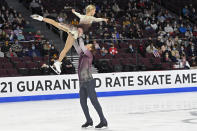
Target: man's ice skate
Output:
[
  {"x": 87, "y": 125},
  {"x": 57, "y": 67},
  {"x": 102, "y": 125}
]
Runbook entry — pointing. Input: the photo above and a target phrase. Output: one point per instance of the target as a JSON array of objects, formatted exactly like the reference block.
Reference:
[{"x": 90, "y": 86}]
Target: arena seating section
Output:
[
  {"x": 134, "y": 23},
  {"x": 28, "y": 53}
]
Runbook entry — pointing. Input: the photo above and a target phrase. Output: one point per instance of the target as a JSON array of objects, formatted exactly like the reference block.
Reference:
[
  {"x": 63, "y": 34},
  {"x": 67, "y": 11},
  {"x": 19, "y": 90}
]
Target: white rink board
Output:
[{"x": 107, "y": 82}]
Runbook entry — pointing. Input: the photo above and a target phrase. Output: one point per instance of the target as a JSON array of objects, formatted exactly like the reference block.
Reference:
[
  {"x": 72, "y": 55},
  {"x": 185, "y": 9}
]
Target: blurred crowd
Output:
[
  {"x": 135, "y": 27},
  {"x": 189, "y": 11},
  {"x": 19, "y": 39}
]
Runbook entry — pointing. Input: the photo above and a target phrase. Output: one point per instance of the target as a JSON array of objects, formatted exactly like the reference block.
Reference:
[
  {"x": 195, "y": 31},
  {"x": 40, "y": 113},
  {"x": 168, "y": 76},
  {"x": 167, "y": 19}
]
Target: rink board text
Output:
[{"x": 107, "y": 84}]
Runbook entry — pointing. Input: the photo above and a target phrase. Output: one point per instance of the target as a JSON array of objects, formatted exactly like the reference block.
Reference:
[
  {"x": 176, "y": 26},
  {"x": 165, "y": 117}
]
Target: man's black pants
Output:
[{"x": 87, "y": 89}]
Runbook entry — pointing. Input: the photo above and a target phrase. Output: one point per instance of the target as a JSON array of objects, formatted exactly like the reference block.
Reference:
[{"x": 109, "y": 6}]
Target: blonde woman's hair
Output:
[{"x": 90, "y": 8}]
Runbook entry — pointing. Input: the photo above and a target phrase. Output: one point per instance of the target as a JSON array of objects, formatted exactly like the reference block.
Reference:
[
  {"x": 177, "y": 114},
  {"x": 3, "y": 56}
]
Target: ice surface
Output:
[{"x": 163, "y": 112}]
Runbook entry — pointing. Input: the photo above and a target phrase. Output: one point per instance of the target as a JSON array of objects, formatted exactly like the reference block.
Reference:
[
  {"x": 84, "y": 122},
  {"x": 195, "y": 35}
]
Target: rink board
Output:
[{"x": 33, "y": 88}]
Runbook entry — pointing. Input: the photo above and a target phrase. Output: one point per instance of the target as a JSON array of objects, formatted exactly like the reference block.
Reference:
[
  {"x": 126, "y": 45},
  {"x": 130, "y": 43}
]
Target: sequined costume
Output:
[{"x": 85, "y": 23}]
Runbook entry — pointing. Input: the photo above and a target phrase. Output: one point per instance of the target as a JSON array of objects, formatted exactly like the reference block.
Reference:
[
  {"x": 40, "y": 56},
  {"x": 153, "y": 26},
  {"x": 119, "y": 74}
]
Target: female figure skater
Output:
[
  {"x": 88, "y": 83},
  {"x": 73, "y": 31}
]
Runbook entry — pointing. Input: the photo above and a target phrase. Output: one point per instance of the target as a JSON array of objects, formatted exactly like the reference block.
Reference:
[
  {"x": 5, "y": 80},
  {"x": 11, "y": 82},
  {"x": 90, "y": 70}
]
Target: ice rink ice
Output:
[{"x": 161, "y": 112}]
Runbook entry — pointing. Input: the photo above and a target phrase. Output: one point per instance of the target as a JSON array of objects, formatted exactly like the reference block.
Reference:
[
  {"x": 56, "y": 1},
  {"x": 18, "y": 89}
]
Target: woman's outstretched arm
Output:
[
  {"x": 77, "y": 14},
  {"x": 98, "y": 19}
]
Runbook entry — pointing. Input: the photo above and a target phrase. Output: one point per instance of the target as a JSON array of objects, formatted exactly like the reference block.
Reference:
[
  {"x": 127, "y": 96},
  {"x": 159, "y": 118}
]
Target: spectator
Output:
[
  {"x": 46, "y": 48},
  {"x": 116, "y": 8},
  {"x": 12, "y": 36},
  {"x": 193, "y": 61},
  {"x": 17, "y": 48},
  {"x": 20, "y": 20},
  {"x": 38, "y": 35},
  {"x": 35, "y": 7},
  {"x": 103, "y": 51},
  {"x": 1, "y": 53},
  {"x": 67, "y": 67},
  {"x": 75, "y": 22},
  {"x": 96, "y": 45},
  {"x": 29, "y": 37},
  {"x": 60, "y": 18},
  {"x": 193, "y": 14},
  {"x": 53, "y": 58},
  {"x": 126, "y": 22},
  {"x": 20, "y": 36},
  {"x": 17, "y": 30},
  {"x": 175, "y": 55},
  {"x": 182, "y": 50},
  {"x": 184, "y": 63},
  {"x": 191, "y": 51},
  {"x": 189, "y": 34},
  {"x": 142, "y": 49},
  {"x": 148, "y": 42},
  {"x": 33, "y": 52},
  {"x": 176, "y": 42},
  {"x": 2, "y": 35},
  {"x": 53, "y": 51},
  {"x": 45, "y": 69},
  {"x": 159, "y": 42},
  {"x": 167, "y": 58},
  {"x": 113, "y": 50},
  {"x": 150, "y": 48},
  {"x": 168, "y": 29},
  {"x": 185, "y": 11},
  {"x": 154, "y": 26},
  {"x": 182, "y": 29},
  {"x": 100, "y": 30},
  {"x": 170, "y": 42},
  {"x": 25, "y": 51},
  {"x": 130, "y": 49},
  {"x": 167, "y": 14},
  {"x": 11, "y": 53},
  {"x": 6, "y": 47}
]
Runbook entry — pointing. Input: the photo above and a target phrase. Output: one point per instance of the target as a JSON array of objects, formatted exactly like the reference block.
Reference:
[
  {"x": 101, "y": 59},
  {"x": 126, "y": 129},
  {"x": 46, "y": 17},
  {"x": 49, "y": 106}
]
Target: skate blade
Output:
[
  {"x": 103, "y": 128},
  {"x": 57, "y": 72},
  {"x": 86, "y": 128}
]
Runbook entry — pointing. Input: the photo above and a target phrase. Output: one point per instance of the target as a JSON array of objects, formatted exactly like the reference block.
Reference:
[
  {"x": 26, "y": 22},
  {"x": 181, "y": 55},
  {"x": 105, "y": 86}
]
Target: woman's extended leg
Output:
[
  {"x": 56, "y": 24},
  {"x": 70, "y": 39},
  {"x": 69, "y": 42},
  {"x": 72, "y": 34}
]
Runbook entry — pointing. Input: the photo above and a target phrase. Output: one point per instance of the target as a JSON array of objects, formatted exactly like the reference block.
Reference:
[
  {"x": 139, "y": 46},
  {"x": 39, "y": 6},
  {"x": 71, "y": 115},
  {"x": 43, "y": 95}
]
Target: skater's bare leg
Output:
[
  {"x": 69, "y": 42},
  {"x": 54, "y": 23}
]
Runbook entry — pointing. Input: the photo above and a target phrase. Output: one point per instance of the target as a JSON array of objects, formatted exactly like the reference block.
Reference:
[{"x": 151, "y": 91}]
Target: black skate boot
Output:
[
  {"x": 87, "y": 125},
  {"x": 102, "y": 125}
]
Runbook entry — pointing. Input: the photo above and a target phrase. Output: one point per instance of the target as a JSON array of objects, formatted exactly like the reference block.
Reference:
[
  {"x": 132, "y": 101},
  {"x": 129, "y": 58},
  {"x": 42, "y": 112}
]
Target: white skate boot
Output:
[
  {"x": 37, "y": 17},
  {"x": 57, "y": 67}
]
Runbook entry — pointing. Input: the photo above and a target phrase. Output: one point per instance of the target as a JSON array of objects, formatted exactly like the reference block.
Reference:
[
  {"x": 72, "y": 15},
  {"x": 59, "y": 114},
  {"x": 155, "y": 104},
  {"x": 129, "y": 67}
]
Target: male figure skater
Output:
[{"x": 88, "y": 83}]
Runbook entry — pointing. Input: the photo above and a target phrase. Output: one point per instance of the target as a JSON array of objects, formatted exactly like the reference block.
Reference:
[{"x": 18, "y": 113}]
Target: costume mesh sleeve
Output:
[
  {"x": 94, "y": 19},
  {"x": 77, "y": 47},
  {"x": 81, "y": 44},
  {"x": 78, "y": 15}
]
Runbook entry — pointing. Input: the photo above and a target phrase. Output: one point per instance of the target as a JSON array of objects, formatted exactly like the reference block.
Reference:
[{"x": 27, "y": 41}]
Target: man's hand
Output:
[
  {"x": 106, "y": 20},
  {"x": 73, "y": 10}
]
